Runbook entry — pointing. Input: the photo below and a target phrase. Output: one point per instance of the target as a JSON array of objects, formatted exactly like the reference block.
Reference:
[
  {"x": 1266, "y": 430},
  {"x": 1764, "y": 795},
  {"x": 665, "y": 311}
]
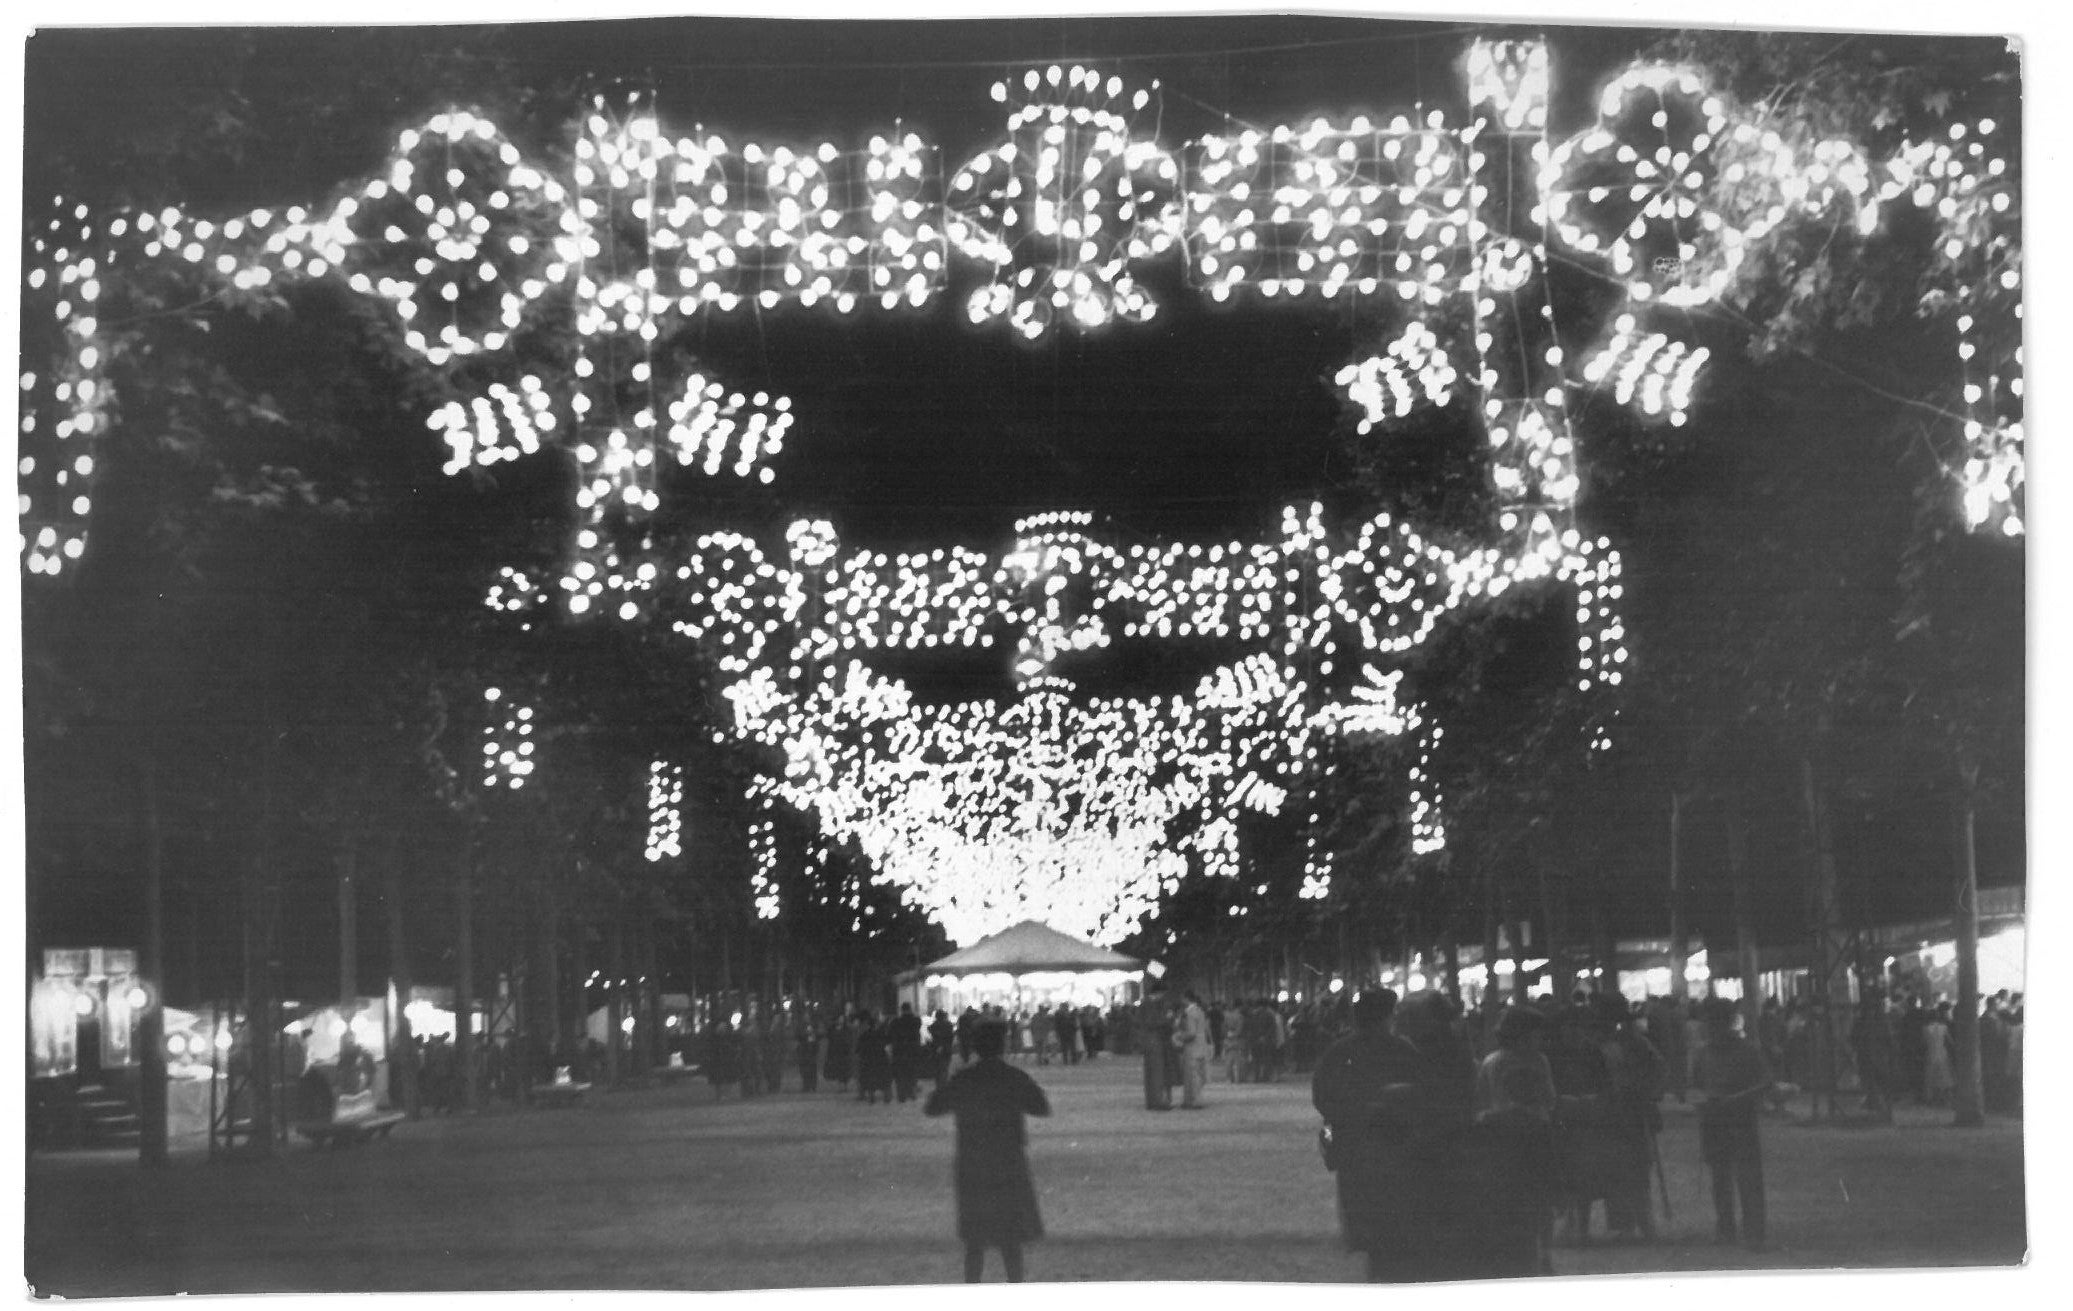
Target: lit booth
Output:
[{"x": 1022, "y": 968}]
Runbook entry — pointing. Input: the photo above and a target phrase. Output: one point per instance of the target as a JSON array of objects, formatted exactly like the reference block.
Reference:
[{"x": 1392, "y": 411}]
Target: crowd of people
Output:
[
  {"x": 1533, "y": 1113},
  {"x": 887, "y": 1055}
]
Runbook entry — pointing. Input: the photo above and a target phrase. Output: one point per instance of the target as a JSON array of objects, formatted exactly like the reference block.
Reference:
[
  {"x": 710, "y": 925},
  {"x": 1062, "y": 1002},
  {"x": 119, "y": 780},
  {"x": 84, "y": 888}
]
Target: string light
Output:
[
  {"x": 665, "y": 811},
  {"x": 1648, "y": 368},
  {"x": 1080, "y": 811},
  {"x": 1064, "y": 207},
  {"x": 1412, "y": 371},
  {"x": 466, "y": 241},
  {"x": 507, "y": 746}
]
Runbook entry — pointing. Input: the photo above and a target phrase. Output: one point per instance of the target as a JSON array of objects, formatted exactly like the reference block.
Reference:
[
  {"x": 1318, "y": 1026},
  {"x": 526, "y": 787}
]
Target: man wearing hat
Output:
[{"x": 1730, "y": 1076}]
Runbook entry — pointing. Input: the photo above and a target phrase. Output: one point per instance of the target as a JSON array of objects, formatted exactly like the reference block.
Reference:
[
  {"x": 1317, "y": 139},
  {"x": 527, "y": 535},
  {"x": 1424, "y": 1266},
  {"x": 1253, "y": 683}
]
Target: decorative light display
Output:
[
  {"x": 665, "y": 811},
  {"x": 1065, "y": 206},
  {"x": 507, "y": 746},
  {"x": 1079, "y": 812},
  {"x": 983, "y": 813},
  {"x": 1356, "y": 209},
  {"x": 1412, "y": 372},
  {"x": 469, "y": 243},
  {"x": 65, "y": 406},
  {"x": 1647, "y": 368}
]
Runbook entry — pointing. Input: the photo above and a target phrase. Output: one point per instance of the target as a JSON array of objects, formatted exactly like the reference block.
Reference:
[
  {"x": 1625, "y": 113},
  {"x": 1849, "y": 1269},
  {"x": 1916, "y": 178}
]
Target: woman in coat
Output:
[
  {"x": 722, "y": 1057},
  {"x": 842, "y": 1048},
  {"x": 874, "y": 1062},
  {"x": 996, "y": 1196}
]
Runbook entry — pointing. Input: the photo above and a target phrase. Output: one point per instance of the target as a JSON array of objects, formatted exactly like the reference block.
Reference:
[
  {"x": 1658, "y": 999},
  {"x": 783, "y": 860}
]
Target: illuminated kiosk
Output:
[{"x": 1022, "y": 968}]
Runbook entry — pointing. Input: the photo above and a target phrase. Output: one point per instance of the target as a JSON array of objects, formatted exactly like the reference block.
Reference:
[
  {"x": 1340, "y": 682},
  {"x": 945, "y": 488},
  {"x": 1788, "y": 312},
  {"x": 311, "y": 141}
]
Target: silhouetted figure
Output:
[{"x": 996, "y": 1196}]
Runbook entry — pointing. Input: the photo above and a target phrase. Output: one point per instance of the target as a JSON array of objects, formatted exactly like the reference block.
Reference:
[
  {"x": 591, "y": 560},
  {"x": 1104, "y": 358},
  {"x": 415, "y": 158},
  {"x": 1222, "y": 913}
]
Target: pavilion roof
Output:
[{"x": 1031, "y": 948}]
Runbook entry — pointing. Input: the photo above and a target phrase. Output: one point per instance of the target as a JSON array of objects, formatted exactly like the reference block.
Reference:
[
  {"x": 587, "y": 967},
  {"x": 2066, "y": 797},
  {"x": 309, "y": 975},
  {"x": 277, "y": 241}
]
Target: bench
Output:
[
  {"x": 345, "y": 1133},
  {"x": 559, "y": 1094}
]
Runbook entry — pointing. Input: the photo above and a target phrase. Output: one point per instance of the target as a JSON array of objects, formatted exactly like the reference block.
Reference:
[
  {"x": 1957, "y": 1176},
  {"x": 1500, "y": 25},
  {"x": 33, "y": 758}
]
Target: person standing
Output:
[
  {"x": 874, "y": 1065},
  {"x": 1636, "y": 1071},
  {"x": 1192, "y": 1042},
  {"x": 1937, "y": 1079},
  {"x": 1043, "y": 1032},
  {"x": 1730, "y": 1078},
  {"x": 1394, "y": 1113},
  {"x": 1234, "y": 1041},
  {"x": 840, "y": 1065},
  {"x": 1871, "y": 1041},
  {"x": 776, "y": 1044},
  {"x": 942, "y": 1039},
  {"x": 904, "y": 1038},
  {"x": 807, "y": 1051},
  {"x": 1067, "y": 1024},
  {"x": 722, "y": 1057},
  {"x": 1993, "y": 1055},
  {"x": 1515, "y": 1107},
  {"x": 996, "y": 1193},
  {"x": 1154, "y": 1029}
]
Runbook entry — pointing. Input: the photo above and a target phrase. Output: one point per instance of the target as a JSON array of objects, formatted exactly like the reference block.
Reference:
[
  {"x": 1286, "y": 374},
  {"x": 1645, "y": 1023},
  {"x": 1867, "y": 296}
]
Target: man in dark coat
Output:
[
  {"x": 1067, "y": 1022},
  {"x": 996, "y": 1196},
  {"x": 1730, "y": 1076},
  {"x": 942, "y": 1037},
  {"x": 1395, "y": 1121},
  {"x": 1154, "y": 1029},
  {"x": 874, "y": 1063},
  {"x": 904, "y": 1036}
]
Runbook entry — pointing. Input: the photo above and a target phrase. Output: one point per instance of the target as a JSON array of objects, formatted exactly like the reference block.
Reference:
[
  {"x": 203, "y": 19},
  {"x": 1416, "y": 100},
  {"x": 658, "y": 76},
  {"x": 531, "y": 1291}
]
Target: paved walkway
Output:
[{"x": 663, "y": 1188}]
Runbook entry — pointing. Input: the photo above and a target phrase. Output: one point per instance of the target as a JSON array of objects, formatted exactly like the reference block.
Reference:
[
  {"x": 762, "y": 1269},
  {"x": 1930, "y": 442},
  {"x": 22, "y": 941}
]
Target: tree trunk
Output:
[
  {"x": 1831, "y": 967},
  {"x": 1680, "y": 944},
  {"x": 403, "y": 1044},
  {"x": 464, "y": 978},
  {"x": 1559, "y": 973},
  {"x": 348, "y": 926},
  {"x": 1744, "y": 907},
  {"x": 1490, "y": 947},
  {"x": 151, "y": 965},
  {"x": 1968, "y": 1097},
  {"x": 615, "y": 994},
  {"x": 1602, "y": 945}
]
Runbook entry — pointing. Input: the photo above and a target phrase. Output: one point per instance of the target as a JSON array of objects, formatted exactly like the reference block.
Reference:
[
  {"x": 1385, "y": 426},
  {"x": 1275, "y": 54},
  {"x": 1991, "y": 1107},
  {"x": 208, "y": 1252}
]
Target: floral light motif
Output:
[
  {"x": 1647, "y": 368},
  {"x": 1065, "y": 206},
  {"x": 1359, "y": 209},
  {"x": 1412, "y": 371}
]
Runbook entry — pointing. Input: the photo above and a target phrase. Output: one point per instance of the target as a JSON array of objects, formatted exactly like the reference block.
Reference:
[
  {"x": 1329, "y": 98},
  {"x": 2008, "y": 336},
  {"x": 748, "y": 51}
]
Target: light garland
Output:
[
  {"x": 1412, "y": 372},
  {"x": 1325, "y": 209},
  {"x": 466, "y": 242},
  {"x": 1081, "y": 813},
  {"x": 665, "y": 811},
  {"x": 507, "y": 746},
  {"x": 1650, "y": 368},
  {"x": 1109, "y": 801},
  {"x": 1064, "y": 206}
]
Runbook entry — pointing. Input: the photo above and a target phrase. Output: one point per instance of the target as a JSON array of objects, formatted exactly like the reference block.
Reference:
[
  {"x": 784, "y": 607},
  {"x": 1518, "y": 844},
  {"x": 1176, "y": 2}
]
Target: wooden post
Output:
[
  {"x": 402, "y": 1042},
  {"x": 1680, "y": 945},
  {"x": 348, "y": 926},
  {"x": 1968, "y": 1097},
  {"x": 151, "y": 964},
  {"x": 464, "y": 978},
  {"x": 1744, "y": 910}
]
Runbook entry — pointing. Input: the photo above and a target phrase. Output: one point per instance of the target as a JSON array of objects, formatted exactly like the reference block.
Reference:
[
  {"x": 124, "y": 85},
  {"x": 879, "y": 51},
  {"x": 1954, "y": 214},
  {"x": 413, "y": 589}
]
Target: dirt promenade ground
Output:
[{"x": 661, "y": 1188}]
